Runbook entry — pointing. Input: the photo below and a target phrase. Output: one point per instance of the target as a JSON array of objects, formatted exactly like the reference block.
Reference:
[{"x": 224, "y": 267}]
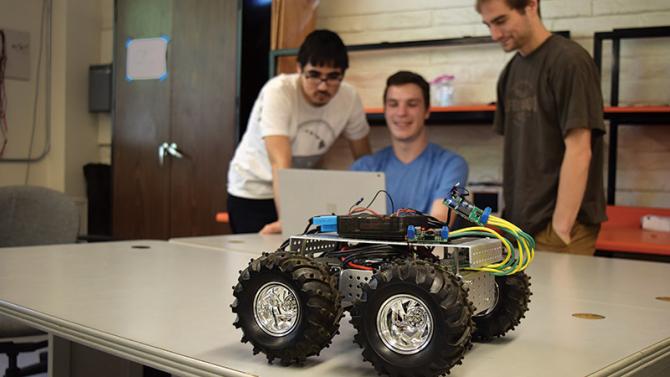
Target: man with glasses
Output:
[
  {"x": 295, "y": 120},
  {"x": 419, "y": 174}
]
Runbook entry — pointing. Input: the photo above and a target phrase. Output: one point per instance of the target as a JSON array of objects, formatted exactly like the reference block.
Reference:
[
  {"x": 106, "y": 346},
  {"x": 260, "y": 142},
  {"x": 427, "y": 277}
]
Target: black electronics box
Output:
[{"x": 383, "y": 228}]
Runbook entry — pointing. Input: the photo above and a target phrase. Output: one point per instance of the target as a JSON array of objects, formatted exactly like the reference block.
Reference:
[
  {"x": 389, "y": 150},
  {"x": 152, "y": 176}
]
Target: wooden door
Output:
[
  {"x": 193, "y": 107},
  {"x": 140, "y": 186}
]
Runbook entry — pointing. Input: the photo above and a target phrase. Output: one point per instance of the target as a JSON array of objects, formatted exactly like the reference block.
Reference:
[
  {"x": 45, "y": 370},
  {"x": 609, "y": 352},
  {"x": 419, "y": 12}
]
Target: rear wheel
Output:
[
  {"x": 414, "y": 319},
  {"x": 512, "y": 298},
  {"x": 287, "y": 306}
]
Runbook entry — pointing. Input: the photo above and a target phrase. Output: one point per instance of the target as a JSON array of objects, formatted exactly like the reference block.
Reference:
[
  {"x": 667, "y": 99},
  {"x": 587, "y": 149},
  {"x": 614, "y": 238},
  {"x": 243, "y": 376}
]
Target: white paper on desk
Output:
[{"x": 146, "y": 58}]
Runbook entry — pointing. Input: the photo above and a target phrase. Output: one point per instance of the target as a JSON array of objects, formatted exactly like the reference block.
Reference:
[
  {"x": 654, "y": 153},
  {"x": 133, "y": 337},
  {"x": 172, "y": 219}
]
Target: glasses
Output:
[{"x": 331, "y": 79}]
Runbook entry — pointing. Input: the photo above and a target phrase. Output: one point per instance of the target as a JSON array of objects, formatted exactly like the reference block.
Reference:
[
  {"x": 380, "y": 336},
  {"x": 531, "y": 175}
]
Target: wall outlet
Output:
[{"x": 17, "y": 47}]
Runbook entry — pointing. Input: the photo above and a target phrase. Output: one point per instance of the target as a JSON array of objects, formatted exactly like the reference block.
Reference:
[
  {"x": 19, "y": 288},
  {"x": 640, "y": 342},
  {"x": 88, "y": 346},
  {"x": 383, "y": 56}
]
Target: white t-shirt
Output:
[{"x": 281, "y": 109}]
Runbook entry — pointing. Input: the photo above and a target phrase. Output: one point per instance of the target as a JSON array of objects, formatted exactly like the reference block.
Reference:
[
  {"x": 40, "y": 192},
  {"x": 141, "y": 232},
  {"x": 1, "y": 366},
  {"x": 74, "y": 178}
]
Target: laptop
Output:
[{"x": 304, "y": 193}]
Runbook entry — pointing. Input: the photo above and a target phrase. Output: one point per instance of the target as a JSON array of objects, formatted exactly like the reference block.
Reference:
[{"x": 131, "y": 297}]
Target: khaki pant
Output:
[{"x": 583, "y": 240}]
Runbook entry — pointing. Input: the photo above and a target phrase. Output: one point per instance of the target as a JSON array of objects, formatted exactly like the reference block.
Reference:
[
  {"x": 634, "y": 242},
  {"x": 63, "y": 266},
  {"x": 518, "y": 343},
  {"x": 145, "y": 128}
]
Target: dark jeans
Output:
[{"x": 250, "y": 215}]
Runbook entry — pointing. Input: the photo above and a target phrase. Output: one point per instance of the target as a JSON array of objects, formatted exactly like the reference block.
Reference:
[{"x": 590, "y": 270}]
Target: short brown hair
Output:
[
  {"x": 407, "y": 77},
  {"x": 518, "y": 5}
]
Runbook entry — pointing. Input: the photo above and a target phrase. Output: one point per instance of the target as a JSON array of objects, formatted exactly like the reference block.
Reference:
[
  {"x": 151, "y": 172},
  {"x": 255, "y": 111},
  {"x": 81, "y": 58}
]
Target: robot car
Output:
[{"x": 418, "y": 294}]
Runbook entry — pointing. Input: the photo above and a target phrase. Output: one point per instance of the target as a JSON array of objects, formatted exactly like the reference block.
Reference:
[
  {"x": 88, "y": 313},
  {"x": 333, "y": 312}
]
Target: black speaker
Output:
[{"x": 100, "y": 88}]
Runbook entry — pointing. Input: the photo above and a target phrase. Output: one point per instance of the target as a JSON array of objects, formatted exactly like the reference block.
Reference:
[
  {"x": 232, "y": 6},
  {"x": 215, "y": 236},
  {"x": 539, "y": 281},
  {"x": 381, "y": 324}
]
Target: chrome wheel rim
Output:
[
  {"x": 276, "y": 309},
  {"x": 404, "y": 324}
]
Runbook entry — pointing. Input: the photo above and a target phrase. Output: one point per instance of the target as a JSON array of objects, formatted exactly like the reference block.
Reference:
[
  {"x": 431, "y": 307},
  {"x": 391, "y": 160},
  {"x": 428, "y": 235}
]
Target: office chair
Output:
[{"x": 31, "y": 216}]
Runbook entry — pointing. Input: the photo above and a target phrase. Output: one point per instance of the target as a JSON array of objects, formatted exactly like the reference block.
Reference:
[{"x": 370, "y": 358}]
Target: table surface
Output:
[
  {"x": 166, "y": 304},
  {"x": 253, "y": 243}
]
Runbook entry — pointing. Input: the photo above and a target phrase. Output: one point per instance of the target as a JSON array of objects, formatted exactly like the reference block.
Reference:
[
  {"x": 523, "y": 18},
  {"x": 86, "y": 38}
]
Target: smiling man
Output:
[
  {"x": 550, "y": 111},
  {"x": 419, "y": 174},
  {"x": 295, "y": 120}
]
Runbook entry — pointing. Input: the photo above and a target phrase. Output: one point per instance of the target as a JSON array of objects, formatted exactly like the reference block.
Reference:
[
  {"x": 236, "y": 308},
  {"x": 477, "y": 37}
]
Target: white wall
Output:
[
  {"x": 644, "y": 151},
  {"x": 76, "y": 35}
]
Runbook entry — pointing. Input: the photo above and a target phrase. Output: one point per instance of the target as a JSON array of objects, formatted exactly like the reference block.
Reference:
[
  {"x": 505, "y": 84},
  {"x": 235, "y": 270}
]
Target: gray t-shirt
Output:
[{"x": 540, "y": 98}]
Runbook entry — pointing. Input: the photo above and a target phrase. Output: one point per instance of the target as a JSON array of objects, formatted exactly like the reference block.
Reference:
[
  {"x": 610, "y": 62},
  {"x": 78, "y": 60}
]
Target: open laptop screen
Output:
[{"x": 304, "y": 193}]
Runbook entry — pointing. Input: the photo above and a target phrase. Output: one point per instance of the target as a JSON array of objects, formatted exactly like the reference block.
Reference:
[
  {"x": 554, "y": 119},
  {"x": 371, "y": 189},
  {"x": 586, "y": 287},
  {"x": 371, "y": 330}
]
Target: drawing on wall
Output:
[{"x": 147, "y": 58}]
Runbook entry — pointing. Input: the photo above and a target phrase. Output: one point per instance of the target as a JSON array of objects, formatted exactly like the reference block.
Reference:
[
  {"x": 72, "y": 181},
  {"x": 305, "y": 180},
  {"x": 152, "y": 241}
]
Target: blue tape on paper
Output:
[{"x": 129, "y": 41}]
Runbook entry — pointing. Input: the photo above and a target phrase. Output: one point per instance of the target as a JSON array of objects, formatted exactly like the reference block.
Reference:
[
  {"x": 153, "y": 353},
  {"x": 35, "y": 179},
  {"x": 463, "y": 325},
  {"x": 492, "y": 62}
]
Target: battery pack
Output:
[{"x": 392, "y": 228}]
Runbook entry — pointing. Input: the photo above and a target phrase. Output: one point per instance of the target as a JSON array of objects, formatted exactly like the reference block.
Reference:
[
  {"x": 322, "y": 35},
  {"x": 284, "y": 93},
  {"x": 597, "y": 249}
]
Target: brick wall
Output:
[{"x": 643, "y": 152}]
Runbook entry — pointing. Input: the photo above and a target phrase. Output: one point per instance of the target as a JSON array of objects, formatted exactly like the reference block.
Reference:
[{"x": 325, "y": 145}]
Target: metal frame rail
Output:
[{"x": 618, "y": 118}]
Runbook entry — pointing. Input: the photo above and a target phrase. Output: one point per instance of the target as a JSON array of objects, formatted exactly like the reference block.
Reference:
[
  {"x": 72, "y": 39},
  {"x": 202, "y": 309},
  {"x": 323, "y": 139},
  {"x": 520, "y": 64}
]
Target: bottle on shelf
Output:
[{"x": 442, "y": 90}]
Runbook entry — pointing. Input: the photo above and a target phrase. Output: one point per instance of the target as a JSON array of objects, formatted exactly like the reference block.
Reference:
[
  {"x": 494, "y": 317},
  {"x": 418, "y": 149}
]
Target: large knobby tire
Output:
[
  {"x": 303, "y": 301},
  {"x": 402, "y": 344},
  {"x": 513, "y": 296}
]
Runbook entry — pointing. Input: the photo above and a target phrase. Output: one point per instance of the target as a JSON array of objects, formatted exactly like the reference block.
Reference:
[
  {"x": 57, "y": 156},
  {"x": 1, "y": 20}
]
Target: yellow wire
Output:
[
  {"x": 526, "y": 253},
  {"x": 522, "y": 242}
]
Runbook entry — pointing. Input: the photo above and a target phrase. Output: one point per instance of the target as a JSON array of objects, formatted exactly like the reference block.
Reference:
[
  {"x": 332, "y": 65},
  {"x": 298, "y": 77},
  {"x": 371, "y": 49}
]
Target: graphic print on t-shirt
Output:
[
  {"x": 521, "y": 101},
  {"x": 311, "y": 142}
]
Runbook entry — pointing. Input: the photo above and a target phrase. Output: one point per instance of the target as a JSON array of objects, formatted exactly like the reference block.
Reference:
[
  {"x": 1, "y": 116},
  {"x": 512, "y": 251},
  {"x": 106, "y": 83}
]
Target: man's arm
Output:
[
  {"x": 360, "y": 147},
  {"x": 439, "y": 211},
  {"x": 572, "y": 181},
  {"x": 454, "y": 170},
  {"x": 279, "y": 152}
]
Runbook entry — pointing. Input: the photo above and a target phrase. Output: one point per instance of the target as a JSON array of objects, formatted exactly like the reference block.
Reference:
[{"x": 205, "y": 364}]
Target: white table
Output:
[
  {"x": 167, "y": 306},
  {"x": 253, "y": 243}
]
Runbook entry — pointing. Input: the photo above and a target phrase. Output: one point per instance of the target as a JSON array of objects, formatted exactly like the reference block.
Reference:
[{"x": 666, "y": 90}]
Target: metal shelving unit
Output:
[{"x": 643, "y": 115}]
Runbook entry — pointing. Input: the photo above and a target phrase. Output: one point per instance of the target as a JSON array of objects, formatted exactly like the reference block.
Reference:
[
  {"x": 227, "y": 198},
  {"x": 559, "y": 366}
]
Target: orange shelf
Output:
[
  {"x": 608, "y": 109},
  {"x": 483, "y": 114},
  {"x": 637, "y": 109},
  {"x": 442, "y": 109},
  {"x": 622, "y": 232}
]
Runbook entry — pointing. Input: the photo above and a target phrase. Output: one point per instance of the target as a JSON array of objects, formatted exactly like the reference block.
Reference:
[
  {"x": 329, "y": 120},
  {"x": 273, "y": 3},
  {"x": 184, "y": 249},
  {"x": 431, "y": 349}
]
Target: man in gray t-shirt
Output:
[{"x": 551, "y": 112}]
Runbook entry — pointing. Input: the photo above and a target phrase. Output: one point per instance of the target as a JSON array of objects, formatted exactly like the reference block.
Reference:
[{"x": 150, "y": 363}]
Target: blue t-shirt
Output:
[{"x": 417, "y": 184}]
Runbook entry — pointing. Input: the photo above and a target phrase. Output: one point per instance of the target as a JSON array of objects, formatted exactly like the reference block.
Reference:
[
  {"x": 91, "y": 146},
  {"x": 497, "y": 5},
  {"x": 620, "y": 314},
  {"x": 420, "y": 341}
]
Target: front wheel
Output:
[
  {"x": 512, "y": 298},
  {"x": 287, "y": 306},
  {"x": 414, "y": 319}
]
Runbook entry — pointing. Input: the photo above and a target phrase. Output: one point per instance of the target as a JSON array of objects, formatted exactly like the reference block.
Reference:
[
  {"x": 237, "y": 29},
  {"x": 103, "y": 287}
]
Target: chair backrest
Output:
[{"x": 31, "y": 215}]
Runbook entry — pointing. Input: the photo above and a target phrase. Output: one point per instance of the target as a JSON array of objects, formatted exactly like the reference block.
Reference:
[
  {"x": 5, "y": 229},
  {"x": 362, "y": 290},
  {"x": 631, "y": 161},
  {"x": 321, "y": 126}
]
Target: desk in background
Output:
[{"x": 166, "y": 305}]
